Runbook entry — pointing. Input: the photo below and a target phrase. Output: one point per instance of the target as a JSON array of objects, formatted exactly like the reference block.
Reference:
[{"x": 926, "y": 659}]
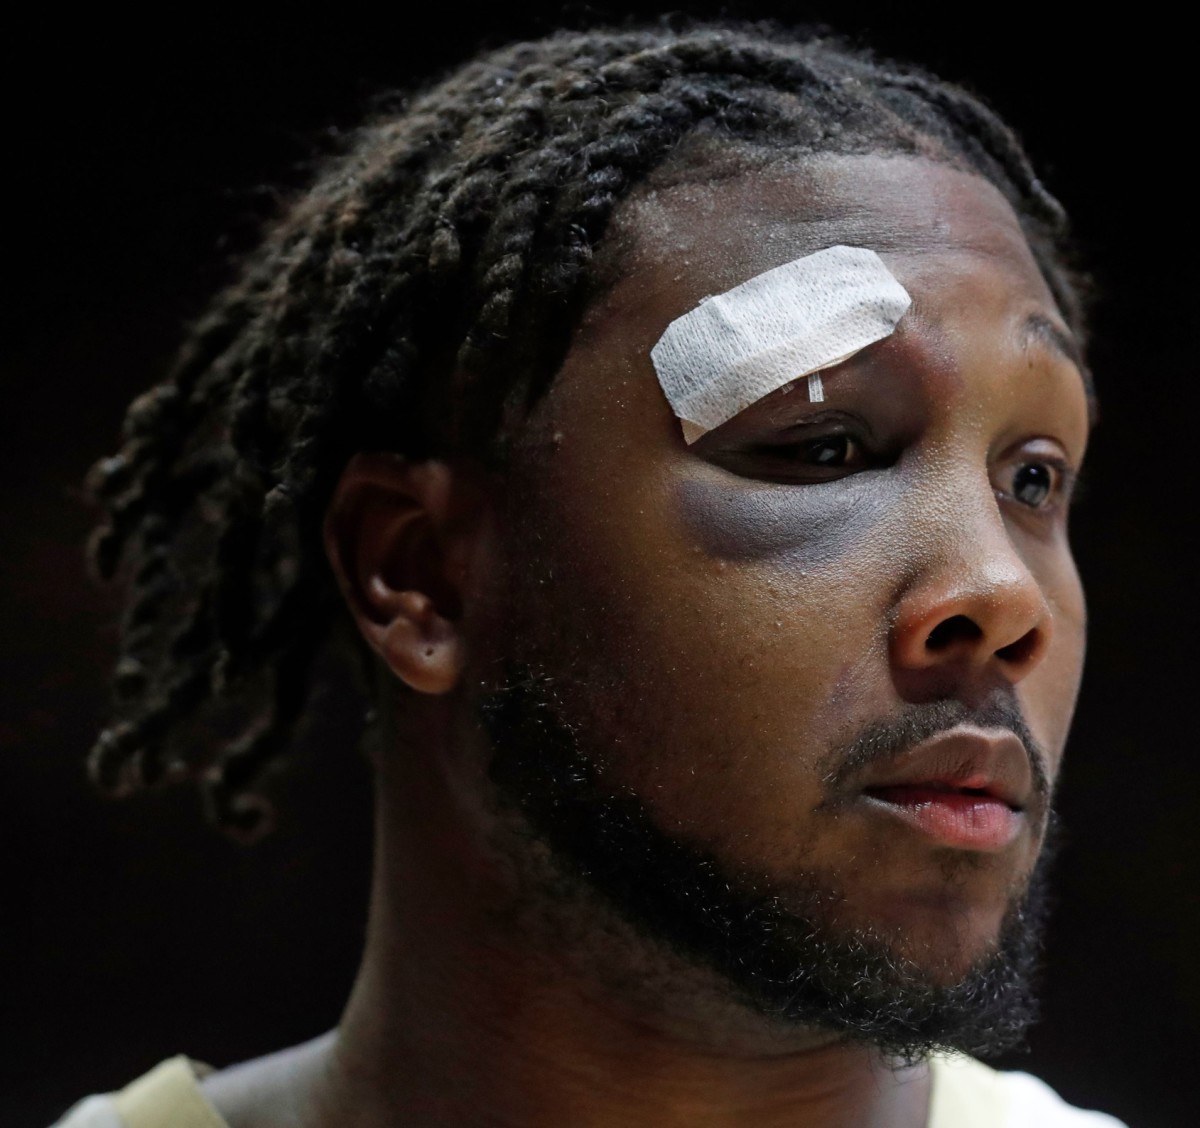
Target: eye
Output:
[
  {"x": 1032, "y": 484},
  {"x": 1037, "y": 483},
  {"x": 821, "y": 458},
  {"x": 818, "y": 449},
  {"x": 828, "y": 451}
]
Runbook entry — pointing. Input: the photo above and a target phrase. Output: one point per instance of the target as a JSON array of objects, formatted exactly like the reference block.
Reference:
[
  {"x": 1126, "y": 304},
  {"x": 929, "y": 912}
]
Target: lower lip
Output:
[{"x": 951, "y": 818}]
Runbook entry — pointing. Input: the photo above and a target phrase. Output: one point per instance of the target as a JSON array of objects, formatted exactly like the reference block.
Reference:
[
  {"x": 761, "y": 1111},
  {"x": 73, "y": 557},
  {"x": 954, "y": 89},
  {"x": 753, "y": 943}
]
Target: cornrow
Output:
[{"x": 419, "y": 298}]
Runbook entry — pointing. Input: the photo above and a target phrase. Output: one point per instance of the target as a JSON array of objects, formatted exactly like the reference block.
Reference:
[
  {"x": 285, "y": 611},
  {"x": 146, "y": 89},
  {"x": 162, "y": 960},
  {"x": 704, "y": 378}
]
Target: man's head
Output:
[{"x": 719, "y": 690}]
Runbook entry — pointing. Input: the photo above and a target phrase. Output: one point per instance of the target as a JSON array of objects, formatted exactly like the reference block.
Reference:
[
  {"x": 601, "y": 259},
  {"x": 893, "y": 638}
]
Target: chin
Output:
[{"x": 946, "y": 934}]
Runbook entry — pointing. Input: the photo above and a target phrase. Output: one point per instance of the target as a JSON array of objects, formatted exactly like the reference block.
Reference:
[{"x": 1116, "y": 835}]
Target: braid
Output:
[{"x": 419, "y": 298}]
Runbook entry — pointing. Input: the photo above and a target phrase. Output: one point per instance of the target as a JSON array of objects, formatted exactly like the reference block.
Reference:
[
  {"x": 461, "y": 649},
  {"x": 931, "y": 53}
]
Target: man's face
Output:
[{"x": 831, "y": 650}]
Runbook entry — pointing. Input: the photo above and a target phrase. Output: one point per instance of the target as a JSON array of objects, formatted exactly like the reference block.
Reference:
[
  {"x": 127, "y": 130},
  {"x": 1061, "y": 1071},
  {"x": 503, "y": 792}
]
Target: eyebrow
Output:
[{"x": 1041, "y": 329}]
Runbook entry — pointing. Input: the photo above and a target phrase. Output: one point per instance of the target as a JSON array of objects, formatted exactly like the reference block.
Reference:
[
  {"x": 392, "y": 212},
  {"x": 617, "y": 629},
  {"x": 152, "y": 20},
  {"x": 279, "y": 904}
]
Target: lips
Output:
[{"x": 965, "y": 788}]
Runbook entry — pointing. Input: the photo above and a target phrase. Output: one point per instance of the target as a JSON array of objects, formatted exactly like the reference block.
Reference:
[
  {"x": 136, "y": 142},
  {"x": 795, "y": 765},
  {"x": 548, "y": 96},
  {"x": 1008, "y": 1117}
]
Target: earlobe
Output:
[
  {"x": 421, "y": 646},
  {"x": 385, "y": 536}
]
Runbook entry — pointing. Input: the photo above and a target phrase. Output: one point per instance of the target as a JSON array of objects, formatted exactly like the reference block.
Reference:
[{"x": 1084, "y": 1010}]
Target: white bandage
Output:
[{"x": 784, "y": 324}]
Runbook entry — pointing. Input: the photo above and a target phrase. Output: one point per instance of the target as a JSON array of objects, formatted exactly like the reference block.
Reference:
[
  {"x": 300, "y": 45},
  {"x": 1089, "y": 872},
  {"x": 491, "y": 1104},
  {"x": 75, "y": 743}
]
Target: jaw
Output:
[{"x": 927, "y": 963}]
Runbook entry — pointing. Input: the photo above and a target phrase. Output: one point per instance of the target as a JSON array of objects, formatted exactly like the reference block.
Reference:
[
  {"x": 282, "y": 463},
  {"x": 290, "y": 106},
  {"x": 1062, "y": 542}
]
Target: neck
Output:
[{"x": 537, "y": 1054}]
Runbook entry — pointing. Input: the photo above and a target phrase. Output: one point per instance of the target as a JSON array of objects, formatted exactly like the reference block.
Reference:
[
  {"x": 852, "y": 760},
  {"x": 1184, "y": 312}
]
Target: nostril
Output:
[
  {"x": 1021, "y": 651},
  {"x": 958, "y": 628}
]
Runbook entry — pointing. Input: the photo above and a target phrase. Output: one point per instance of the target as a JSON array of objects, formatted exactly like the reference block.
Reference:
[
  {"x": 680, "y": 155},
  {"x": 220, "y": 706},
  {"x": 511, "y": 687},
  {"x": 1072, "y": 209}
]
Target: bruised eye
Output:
[
  {"x": 815, "y": 451},
  {"x": 835, "y": 451},
  {"x": 819, "y": 459},
  {"x": 829, "y": 451}
]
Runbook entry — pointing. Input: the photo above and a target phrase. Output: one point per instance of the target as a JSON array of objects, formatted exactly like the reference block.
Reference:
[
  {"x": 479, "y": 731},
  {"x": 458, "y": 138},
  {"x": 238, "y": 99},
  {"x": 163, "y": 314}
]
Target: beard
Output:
[{"x": 783, "y": 957}]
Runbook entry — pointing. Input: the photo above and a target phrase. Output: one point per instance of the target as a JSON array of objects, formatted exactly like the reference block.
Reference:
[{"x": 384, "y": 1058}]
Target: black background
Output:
[{"x": 137, "y": 160}]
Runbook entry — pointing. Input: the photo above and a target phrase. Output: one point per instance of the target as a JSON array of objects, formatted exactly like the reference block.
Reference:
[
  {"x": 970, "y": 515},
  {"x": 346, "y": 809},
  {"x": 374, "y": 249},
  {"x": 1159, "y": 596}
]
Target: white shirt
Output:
[{"x": 965, "y": 1094}]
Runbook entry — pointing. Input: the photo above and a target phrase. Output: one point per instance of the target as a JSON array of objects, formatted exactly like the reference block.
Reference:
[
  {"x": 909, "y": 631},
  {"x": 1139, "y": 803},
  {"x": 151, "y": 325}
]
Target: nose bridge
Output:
[
  {"x": 969, "y": 541},
  {"x": 969, "y": 595}
]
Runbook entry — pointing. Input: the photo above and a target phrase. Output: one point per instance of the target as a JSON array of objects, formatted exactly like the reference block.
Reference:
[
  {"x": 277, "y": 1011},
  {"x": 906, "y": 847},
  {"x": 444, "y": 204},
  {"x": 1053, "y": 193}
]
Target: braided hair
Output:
[{"x": 419, "y": 298}]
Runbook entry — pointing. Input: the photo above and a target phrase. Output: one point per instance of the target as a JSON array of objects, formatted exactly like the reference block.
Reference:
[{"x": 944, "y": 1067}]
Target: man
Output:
[{"x": 688, "y": 422}]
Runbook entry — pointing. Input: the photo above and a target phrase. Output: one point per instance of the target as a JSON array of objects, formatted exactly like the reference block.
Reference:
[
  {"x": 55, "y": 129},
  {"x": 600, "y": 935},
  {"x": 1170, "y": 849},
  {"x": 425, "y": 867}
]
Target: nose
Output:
[{"x": 972, "y": 608}]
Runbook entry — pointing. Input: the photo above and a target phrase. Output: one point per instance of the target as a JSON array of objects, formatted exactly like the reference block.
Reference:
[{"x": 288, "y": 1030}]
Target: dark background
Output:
[{"x": 137, "y": 157}]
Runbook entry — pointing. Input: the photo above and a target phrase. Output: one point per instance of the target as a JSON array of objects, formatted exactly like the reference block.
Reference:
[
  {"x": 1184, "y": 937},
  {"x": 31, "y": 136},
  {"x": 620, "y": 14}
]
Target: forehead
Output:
[
  {"x": 983, "y": 323},
  {"x": 673, "y": 245}
]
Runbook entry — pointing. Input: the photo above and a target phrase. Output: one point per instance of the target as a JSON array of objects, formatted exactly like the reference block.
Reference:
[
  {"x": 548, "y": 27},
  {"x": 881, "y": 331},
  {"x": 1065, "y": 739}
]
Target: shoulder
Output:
[
  {"x": 169, "y": 1096},
  {"x": 969, "y": 1094},
  {"x": 181, "y": 1093},
  {"x": 91, "y": 1112},
  {"x": 1030, "y": 1098}
]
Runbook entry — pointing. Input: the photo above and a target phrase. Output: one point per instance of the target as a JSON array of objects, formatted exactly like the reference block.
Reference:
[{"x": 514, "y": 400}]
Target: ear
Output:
[{"x": 388, "y": 538}]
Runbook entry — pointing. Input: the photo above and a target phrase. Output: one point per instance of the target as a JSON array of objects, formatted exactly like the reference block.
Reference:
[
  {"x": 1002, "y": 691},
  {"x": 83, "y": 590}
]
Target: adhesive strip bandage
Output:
[{"x": 780, "y": 326}]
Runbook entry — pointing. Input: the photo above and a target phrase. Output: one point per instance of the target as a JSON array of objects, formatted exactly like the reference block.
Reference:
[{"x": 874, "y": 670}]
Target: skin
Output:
[{"x": 719, "y": 617}]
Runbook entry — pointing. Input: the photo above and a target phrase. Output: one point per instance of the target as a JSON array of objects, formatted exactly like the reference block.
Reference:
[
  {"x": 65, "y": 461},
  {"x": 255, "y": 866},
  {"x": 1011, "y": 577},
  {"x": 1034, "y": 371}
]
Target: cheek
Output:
[
  {"x": 787, "y": 594},
  {"x": 1048, "y": 695},
  {"x": 711, "y": 635}
]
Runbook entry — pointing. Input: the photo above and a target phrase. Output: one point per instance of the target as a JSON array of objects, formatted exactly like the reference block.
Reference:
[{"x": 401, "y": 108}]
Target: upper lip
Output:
[{"x": 993, "y": 762}]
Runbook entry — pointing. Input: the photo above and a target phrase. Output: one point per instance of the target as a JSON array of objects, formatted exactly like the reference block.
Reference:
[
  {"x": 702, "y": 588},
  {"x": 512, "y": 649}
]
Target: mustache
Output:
[{"x": 892, "y": 737}]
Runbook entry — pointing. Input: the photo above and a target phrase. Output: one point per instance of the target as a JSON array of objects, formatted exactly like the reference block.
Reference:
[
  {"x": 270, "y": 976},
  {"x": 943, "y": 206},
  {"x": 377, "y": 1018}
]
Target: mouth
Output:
[{"x": 965, "y": 789}]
